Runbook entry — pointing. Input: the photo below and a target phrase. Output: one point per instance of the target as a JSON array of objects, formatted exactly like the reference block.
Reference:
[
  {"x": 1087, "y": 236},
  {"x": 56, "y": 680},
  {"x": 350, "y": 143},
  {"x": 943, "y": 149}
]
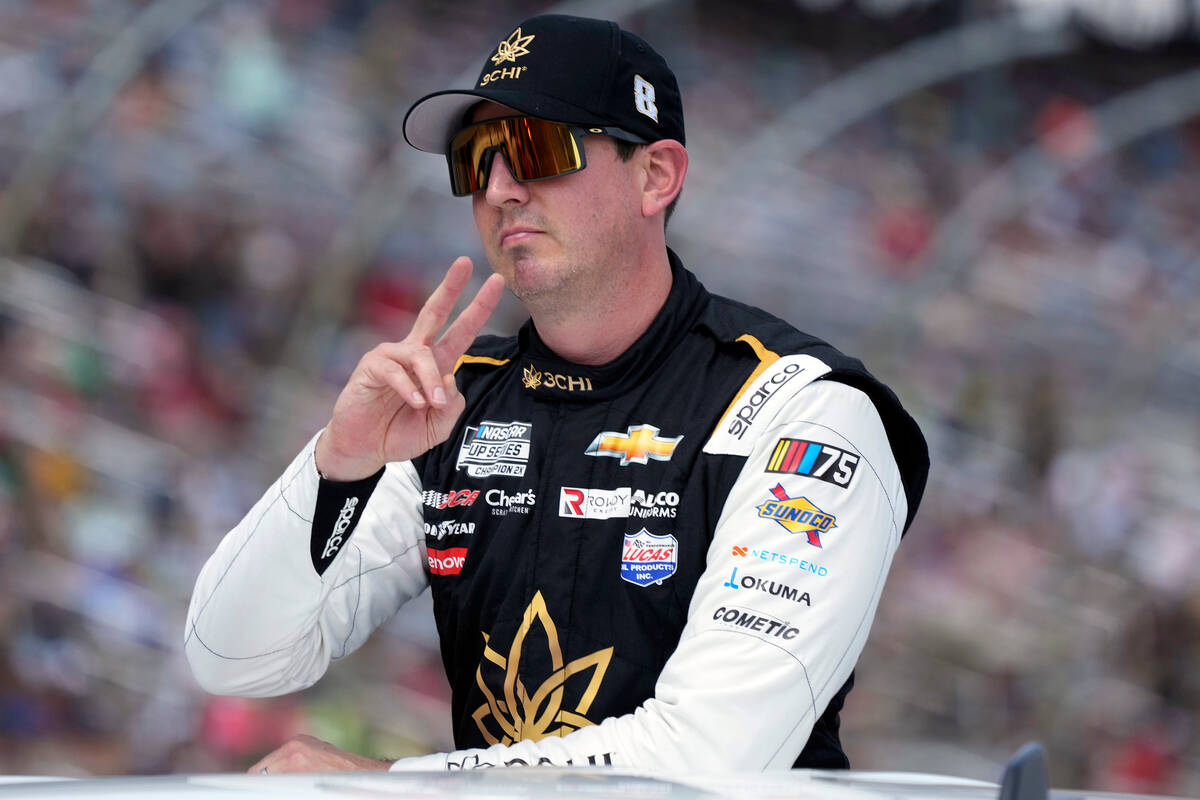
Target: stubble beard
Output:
[{"x": 538, "y": 285}]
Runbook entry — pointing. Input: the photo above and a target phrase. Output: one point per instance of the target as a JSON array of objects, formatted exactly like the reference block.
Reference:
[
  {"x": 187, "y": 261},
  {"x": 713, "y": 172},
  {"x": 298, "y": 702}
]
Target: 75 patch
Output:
[{"x": 813, "y": 460}]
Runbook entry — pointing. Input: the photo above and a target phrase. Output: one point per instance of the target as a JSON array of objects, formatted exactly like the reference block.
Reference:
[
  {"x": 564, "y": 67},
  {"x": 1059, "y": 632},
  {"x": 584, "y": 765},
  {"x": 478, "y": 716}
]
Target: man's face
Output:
[{"x": 558, "y": 240}]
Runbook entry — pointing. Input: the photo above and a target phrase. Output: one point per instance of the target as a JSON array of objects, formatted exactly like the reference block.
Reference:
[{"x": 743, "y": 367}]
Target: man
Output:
[{"x": 656, "y": 523}]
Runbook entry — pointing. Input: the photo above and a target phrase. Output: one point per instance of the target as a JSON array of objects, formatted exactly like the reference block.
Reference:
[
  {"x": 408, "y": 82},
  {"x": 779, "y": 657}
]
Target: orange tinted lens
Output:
[{"x": 533, "y": 148}]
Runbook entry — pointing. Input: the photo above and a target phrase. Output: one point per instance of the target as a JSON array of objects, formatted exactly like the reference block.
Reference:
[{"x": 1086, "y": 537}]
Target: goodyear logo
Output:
[{"x": 797, "y": 515}]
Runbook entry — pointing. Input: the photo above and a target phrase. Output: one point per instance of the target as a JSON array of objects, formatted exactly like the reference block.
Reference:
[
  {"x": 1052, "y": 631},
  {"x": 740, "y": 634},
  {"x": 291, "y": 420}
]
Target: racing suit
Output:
[{"x": 668, "y": 561}]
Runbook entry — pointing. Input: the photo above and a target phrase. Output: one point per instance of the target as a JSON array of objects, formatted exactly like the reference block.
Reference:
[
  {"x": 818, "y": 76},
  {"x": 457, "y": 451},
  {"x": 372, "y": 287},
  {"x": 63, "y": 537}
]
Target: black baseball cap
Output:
[{"x": 576, "y": 70}]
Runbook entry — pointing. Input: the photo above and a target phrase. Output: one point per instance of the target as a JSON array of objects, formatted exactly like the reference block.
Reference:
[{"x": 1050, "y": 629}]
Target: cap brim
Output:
[{"x": 436, "y": 117}]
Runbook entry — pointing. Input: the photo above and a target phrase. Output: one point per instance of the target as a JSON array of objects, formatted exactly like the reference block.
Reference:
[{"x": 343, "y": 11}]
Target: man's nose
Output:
[{"x": 502, "y": 187}]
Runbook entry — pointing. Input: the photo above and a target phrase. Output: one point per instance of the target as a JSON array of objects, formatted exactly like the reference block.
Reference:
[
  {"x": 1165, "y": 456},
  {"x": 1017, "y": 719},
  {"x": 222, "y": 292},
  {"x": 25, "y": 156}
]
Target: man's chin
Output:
[{"x": 529, "y": 278}]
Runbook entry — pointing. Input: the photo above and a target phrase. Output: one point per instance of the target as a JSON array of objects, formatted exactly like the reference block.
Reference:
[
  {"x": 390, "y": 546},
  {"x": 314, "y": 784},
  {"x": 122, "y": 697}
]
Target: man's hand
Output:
[
  {"x": 310, "y": 754},
  {"x": 401, "y": 399}
]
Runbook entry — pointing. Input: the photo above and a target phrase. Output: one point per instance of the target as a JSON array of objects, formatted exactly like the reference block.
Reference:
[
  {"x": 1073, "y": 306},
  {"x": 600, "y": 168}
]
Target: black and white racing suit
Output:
[{"x": 670, "y": 561}]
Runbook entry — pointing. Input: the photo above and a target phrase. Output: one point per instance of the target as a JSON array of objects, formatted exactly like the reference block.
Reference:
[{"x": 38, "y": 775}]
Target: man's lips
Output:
[{"x": 514, "y": 235}]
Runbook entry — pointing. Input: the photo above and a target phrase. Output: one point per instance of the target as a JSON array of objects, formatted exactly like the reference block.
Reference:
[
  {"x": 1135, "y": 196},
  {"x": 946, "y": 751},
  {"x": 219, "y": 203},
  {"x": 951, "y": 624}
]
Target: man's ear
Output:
[{"x": 664, "y": 164}]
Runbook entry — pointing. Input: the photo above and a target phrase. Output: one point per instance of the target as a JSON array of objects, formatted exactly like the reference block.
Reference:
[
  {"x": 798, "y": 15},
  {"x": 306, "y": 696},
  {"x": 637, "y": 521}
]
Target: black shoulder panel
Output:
[{"x": 729, "y": 320}]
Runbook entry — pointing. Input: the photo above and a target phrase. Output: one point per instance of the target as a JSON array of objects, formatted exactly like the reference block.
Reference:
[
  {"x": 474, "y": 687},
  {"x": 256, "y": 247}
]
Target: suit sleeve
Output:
[
  {"x": 293, "y": 587},
  {"x": 780, "y": 614}
]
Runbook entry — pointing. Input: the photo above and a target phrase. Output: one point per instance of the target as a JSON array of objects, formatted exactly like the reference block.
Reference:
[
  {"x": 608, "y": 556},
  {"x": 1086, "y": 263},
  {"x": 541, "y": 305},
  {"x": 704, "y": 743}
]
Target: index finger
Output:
[
  {"x": 462, "y": 332},
  {"x": 437, "y": 308}
]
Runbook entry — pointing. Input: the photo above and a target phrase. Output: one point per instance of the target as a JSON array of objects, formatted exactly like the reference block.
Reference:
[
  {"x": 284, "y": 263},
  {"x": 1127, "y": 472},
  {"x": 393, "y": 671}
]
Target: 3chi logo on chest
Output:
[{"x": 534, "y": 379}]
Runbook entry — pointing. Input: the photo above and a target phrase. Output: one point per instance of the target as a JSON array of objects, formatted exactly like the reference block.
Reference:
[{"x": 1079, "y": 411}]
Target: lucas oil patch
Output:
[{"x": 647, "y": 559}]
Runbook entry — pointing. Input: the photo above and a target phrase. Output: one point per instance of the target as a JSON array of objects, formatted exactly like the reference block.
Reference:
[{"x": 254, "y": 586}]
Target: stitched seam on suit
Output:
[
  {"x": 357, "y": 603},
  {"x": 238, "y": 554}
]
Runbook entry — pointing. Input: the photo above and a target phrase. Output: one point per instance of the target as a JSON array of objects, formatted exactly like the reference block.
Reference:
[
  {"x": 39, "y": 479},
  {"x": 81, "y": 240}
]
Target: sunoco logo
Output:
[
  {"x": 743, "y": 417},
  {"x": 797, "y": 515},
  {"x": 495, "y": 448}
]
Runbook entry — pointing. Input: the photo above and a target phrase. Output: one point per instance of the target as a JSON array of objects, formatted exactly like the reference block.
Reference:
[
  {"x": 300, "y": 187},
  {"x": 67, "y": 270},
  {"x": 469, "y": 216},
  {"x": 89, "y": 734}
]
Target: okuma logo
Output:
[{"x": 767, "y": 586}]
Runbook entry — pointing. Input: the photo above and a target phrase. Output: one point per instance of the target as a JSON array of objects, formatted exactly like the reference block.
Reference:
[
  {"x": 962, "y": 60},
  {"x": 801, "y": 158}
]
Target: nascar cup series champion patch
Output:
[{"x": 648, "y": 559}]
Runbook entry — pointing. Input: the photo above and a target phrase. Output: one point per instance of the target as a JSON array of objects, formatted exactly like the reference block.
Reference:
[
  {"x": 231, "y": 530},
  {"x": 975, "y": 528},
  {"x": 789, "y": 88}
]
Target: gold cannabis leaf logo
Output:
[
  {"x": 532, "y": 378},
  {"x": 517, "y": 714},
  {"x": 512, "y": 47}
]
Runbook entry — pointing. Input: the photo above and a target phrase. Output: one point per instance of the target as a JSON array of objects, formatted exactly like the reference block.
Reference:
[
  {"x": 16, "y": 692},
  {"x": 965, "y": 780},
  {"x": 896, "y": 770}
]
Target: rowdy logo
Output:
[
  {"x": 797, "y": 515},
  {"x": 593, "y": 503},
  {"x": 637, "y": 445}
]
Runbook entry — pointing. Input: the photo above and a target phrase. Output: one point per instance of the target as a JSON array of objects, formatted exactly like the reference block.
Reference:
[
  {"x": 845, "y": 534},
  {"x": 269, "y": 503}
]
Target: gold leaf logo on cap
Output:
[{"x": 512, "y": 48}]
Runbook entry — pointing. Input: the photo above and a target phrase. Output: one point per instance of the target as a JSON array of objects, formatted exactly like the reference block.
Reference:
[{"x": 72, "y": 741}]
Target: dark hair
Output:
[{"x": 625, "y": 151}]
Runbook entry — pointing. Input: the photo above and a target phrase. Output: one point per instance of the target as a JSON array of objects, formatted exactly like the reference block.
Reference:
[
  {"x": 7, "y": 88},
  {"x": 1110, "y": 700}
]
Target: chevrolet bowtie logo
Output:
[
  {"x": 637, "y": 446},
  {"x": 512, "y": 48}
]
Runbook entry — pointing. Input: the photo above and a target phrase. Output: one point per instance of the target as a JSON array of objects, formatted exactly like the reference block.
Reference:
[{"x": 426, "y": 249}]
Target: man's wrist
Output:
[{"x": 340, "y": 470}]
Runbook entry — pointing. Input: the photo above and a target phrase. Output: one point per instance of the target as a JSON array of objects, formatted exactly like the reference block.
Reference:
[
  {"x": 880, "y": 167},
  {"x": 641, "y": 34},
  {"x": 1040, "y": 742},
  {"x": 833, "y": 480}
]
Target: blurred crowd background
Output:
[{"x": 209, "y": 214}]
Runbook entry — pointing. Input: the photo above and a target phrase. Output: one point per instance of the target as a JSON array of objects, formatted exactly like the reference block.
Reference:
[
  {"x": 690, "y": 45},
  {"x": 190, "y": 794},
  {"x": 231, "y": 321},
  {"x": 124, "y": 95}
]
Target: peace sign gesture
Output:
[{"x": 401, "y": 399}]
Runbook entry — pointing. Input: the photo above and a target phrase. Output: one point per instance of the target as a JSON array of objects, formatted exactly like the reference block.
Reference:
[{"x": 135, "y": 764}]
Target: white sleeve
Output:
[
  {"x": 262, "y": 622},
  {"x": 778, "y": 618}
]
